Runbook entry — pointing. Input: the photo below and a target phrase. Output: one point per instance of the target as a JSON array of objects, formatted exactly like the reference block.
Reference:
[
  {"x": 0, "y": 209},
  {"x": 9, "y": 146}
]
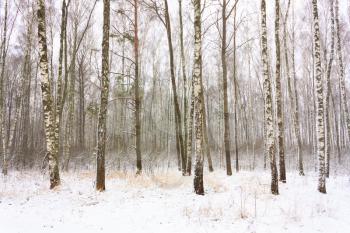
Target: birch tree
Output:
[
  {"x": 319, "y": 101},
  {"x": 270, "y": 146},
  {"x": 190, "y": 133},
  {"x": 278, "y": 96},
  {"x": 47, "y": 99},
  {"x": 328, "y": 91},
  {"x": 198, "y": 110}
]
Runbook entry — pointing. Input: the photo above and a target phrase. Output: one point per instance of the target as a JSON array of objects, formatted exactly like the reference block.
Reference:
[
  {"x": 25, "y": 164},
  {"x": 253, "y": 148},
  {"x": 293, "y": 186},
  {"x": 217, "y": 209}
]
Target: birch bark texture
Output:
[
  {"x": 190, "y": 134},
  {"x": 320, "y": 142},
  {"x": 198, "y": 110},
  {"x": 269, "y": 144},
  {"x": 328, "y": 90},
  {"x": 47, "y": 99}
]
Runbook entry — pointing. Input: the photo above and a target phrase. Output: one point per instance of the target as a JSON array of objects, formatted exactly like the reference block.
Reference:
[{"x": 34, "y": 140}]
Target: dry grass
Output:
[{"x": 206, "y": 212}]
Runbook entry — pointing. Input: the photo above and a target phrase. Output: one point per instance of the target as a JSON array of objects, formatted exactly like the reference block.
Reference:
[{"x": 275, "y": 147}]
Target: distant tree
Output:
[
  {"x": 163, "y": 14},
  {"x": 341, "y": 69},
  {"x": 3, "y": 52},
  {"x": 292, "y": 93}
]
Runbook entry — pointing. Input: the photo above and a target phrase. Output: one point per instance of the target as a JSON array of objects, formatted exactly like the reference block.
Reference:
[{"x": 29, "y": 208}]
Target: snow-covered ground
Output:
[{"x": 165, "y": 202}]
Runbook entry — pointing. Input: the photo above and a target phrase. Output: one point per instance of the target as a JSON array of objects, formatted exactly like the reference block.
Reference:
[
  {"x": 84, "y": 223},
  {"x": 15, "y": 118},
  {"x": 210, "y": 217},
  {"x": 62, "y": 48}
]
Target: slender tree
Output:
[
  {"x": 235, "y": 84},
  {"x": 3, "y": 52},
  {"x": 292, "y": 94},
  {"x": 197, "y": 89},
  {"x": 225, "y": 99},
  {"x": 341, "y": 69},
  {"x": 270, "y": 146},
  {"x": 47, "y": 99},
  {"x": 69, "y": 139},
  {"x": 60, "y": 85},
  {"x": 190, "y": 133},
  {"x": 184, "y": 77},
  {"x": 137, "y": 92},
  {"x": 278, "y": 96},
  {"x": 319, "y": 101},
  {"x": 101, "y": 134},
  {"x": 328, "y": 91},
  {"x": 178, "y": 127}
]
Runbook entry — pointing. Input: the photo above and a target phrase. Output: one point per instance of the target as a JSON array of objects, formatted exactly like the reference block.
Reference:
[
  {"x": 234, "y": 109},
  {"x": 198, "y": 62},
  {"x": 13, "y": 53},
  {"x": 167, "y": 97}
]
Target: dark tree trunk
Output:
[
  {"x": 178, "y": 127},
  {"x": 101, "y": 134},
  {"x": 137, "y": 92},
  {"x": 224, "y": 77}
]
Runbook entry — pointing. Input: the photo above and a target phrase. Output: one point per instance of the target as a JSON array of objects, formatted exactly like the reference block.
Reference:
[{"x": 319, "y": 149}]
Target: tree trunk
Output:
[
  {"x": 292, "y": 95},
  {"x": 270, "y": 147},
  {"x": 68, "y": 137},
  {"x": 137, "y": 92},
  {"x": 61, "y": 87},
  {"x": 183, "y": 64},
  {"x": 206, "y": 145},
  {"x": 178, "y": 127},
  {"x": 81, "y": 124},
  {"x": 190, "y": 134},
  {"x": 319, "y": 101},
  {"x": 235, "y": 86},
  {"x": 2, "y": 81},
  {"x": 341, "y": 68},
  {"x": 224, "y": 77},
  {"x": 278, "y": 96},
  {"x": 197, "y": 89},
  {"x": 296, "y": 113},
  {"x": 101, "y": 134},
  {"x": 47, "y": 99},
  {"x": 328, "y": 92}
]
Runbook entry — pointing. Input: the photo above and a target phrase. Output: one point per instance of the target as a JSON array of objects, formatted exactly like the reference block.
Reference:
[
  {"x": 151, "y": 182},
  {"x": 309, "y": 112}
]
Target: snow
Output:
[{"x": 164, "y": 202}]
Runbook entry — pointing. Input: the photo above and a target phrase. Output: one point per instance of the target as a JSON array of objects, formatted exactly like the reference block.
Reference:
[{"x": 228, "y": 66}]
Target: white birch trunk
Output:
[
  {"x": 320, "y": 142},
  {"x": 47, "y": 99},
  {"x": 270, "y": 145},
  {"x": 197, "y": 89}
]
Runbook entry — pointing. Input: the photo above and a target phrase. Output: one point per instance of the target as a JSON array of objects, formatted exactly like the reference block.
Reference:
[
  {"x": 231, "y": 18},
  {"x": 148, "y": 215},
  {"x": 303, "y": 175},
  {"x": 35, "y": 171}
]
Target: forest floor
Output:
[{"x": 165, "y": 202}]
